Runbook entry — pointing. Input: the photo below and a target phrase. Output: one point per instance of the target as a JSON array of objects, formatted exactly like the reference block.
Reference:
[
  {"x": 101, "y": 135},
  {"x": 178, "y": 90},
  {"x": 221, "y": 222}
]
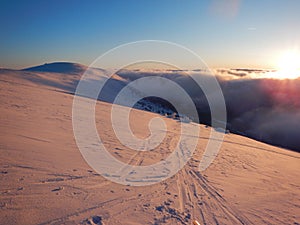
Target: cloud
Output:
[
  {"x": 259, "y": 107},
  {"x": 225, "y": 8}
]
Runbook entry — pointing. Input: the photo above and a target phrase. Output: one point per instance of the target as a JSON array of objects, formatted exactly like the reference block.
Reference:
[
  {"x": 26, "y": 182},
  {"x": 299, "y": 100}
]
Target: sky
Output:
[{"x": 224, "y": 33}]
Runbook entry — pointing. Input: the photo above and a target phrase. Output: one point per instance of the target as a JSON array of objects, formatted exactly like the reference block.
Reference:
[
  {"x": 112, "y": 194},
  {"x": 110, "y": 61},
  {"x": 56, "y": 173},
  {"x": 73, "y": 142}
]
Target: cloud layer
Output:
[{"x": 257, "y": 106}]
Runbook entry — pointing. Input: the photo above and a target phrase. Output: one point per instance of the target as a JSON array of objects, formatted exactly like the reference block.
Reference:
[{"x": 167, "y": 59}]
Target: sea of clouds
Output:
[{"x": 258, "y": 106}]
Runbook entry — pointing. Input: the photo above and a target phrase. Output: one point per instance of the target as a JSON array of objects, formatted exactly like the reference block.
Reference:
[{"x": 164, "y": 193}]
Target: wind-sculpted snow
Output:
[{"x": 45, "y": 180}]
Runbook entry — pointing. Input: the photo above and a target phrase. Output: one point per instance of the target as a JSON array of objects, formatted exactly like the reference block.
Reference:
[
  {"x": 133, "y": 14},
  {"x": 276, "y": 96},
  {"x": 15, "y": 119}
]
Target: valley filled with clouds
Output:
[{"x": 260, "y": 107}]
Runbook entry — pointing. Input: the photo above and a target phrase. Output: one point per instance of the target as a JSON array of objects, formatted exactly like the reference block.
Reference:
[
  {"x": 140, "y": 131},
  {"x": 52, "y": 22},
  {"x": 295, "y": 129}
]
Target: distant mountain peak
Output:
[{"x": 59, "y": 67}]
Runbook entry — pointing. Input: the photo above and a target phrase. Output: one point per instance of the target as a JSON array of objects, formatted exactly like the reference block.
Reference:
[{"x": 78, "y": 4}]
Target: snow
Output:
[{"x": 249, "y": 182}]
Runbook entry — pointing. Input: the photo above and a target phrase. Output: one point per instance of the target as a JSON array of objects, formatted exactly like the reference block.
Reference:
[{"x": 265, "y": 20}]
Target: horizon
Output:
[
  {"x": 231, "y": 34},
  {"x": 134, "y": 67},
  {"x": 160, "y": 68}
]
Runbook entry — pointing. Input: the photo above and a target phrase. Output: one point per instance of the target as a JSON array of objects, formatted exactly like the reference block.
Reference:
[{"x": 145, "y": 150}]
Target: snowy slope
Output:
[{"x": 45, "y": 180}]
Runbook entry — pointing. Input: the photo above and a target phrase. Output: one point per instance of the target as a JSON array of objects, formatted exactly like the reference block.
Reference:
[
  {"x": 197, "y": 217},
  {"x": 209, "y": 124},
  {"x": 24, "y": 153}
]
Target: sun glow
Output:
[{"x": 288, "y": 66}]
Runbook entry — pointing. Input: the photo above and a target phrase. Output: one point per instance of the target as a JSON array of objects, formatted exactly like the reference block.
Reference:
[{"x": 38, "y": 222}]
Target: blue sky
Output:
[{"x": 225, "y": 33}]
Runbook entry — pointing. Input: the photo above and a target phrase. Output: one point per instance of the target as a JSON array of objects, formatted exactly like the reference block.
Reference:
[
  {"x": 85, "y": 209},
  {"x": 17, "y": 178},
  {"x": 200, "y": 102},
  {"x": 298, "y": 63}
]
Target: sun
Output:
[{"x": 288, "y": 65}]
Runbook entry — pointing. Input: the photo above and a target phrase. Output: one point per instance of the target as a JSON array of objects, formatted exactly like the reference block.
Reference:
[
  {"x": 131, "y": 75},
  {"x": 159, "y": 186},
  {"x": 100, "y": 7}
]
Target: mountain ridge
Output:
[{"x": 58, "y": 67}]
